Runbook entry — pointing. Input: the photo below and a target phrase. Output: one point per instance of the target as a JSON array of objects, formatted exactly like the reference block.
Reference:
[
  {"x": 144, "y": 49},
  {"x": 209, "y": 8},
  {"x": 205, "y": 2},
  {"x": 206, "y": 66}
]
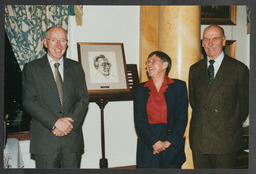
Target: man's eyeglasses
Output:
[
  {"x": 104, "y": 64},
  {"x": 214, "y": 39},
  {"x": 54, "y": 41}
]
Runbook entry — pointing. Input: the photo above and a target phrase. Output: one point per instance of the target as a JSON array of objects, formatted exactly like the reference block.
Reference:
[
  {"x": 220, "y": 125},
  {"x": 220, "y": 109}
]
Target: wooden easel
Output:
[{"x": 102, "y": 99}]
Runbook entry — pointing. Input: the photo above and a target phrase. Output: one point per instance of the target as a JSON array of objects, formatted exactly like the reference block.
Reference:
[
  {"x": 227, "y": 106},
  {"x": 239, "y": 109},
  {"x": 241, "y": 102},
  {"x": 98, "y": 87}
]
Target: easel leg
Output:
[{"x": 103, "y": 161}]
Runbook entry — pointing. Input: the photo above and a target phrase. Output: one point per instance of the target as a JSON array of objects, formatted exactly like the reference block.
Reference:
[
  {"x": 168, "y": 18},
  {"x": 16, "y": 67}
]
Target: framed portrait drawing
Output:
[
  {"x": 104, "y": 66},
  {"x": 219, "y": 15}
]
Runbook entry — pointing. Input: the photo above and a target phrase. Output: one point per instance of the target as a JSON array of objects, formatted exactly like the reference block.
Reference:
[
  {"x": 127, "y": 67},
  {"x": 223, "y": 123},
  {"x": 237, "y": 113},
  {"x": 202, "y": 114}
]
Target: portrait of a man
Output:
[
  {"x": 102, "y": 65},
  {"x": 104, "y": 70}
]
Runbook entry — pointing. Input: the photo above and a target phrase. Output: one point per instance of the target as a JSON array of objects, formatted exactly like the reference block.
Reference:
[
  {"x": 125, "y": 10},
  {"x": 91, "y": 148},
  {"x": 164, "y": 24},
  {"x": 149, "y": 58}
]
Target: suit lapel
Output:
[
  {"x": 203, "y": 79},
  {"x": 47, "y": 77},
  {"x": 221, "y": 73},
  {"x": 219, "y": 80},
  {"x": 170, "y": 100},
  {"x": 47, "y": 73},
  {"x": 146, "y": 94},
  {"x": 67, "y": 80}
]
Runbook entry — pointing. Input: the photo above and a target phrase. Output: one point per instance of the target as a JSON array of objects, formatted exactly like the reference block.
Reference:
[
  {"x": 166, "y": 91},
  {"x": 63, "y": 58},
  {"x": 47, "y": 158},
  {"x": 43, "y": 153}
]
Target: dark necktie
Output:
[
  {"x": 59, "y": 82},
  {"x": 211, "y": 71}
]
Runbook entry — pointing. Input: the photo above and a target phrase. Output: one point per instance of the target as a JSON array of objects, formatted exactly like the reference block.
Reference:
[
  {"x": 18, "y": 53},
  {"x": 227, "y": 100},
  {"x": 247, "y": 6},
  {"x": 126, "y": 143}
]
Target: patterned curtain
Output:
[
  {"x": 76, "y": 10},
  {"x": 25, "y": 26}
]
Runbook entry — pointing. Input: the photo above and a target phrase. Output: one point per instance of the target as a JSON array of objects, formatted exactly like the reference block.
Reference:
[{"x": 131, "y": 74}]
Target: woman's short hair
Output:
[{"x": 164, "y": 58}]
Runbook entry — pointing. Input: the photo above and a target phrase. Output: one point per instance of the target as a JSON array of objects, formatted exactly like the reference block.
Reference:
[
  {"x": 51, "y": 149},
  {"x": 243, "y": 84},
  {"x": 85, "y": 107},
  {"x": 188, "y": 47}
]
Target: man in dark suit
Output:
[
  {"x": 219, "y": 97},
  {"x": 57, "y": 100}
]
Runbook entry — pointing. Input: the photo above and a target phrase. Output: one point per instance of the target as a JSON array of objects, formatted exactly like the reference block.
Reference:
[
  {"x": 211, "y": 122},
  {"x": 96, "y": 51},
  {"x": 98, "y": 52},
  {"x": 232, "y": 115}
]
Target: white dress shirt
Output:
[
  {"x": 52, "y": 62},
  {"x": 217, "y": 63}
]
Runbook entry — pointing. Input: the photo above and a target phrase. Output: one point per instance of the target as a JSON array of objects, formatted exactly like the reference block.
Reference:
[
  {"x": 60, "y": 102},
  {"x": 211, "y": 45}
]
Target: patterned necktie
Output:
[
  {"x": 211, "y": 72},
  {"x": 59, "y": 82}
]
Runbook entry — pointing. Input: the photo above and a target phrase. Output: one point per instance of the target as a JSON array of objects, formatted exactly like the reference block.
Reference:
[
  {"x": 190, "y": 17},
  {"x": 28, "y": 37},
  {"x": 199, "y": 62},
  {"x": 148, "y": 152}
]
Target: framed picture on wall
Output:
[
  {"x": 105, "y": 67},
  {"x": 219, "y": 15},
  {"x": 230, "y": 48}
]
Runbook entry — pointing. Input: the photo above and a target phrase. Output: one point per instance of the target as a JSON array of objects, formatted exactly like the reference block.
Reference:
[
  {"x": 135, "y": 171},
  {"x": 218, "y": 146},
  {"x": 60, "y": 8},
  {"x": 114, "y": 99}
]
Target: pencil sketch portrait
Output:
[{"x": 103, "y": 67}]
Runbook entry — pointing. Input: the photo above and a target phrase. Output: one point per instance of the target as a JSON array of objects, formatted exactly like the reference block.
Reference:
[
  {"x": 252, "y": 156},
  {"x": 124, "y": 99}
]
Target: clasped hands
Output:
[
  {"x": 63, "y": 126},
  {"x": 160, "y": 146}
]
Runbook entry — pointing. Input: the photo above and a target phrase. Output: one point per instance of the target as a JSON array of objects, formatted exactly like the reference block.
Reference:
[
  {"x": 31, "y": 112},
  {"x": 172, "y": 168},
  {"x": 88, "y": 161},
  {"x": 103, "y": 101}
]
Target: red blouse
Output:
[{"x": 156, "y": 105}]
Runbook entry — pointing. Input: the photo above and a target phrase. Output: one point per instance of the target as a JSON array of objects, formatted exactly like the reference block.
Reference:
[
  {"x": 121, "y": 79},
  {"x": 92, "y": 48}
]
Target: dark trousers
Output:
[
  {"x": 58, "y": 160},
  {"x": 214, "y": 161}
]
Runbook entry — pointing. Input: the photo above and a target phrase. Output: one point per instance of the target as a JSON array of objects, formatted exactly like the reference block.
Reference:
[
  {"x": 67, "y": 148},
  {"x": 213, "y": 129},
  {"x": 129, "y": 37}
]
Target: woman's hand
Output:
[
  {"x": 158, "y": 147},
  {"x": 167, "y": 144}
]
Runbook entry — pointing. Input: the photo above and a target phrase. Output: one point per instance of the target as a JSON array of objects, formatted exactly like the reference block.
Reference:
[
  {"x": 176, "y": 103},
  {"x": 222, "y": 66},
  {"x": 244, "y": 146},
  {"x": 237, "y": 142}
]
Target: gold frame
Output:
[
  {"x": 230, "y": 48},
  {"x": 230, "y": 20}
]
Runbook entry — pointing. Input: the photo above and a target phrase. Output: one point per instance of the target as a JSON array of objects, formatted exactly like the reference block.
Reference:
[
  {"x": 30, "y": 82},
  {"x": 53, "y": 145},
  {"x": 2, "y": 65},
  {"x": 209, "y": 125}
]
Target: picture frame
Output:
[
  {"x": 104, "y": 66},
  {"x": 219, "y": 15},
  {"x": 230, "y": 48}
]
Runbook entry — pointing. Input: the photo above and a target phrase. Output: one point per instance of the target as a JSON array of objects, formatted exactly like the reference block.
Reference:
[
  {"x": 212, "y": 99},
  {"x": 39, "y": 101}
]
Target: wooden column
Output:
[
  {"x": 149, "y": 40},
  {"x": 179, "y": 37}
]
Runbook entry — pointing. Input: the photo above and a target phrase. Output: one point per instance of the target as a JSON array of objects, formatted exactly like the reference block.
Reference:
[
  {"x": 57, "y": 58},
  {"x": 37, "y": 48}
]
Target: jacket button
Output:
[
  {"x": 216, "y": 110},
  {"x": 203, "y": 109},
  {"x": 169, "y": 130}
]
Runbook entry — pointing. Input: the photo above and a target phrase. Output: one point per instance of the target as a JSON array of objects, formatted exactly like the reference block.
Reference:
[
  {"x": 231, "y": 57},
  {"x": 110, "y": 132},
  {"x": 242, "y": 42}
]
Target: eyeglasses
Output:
[
  {"x": 54, "y": 41},
  {"x": 104, "y": 64},
  {"x": 152, "y": 61},
  {"x": 214, "y": 39}
]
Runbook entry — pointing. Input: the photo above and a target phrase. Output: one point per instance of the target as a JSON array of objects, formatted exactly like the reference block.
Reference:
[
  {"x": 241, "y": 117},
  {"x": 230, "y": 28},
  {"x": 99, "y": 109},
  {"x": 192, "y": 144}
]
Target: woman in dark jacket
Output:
[{"x": 160, "y": 114}]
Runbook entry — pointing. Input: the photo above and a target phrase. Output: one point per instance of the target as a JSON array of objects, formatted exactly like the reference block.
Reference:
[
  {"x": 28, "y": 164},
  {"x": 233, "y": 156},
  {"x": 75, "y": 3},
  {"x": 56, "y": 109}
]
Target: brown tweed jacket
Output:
[{"x": 218, "y": 111}]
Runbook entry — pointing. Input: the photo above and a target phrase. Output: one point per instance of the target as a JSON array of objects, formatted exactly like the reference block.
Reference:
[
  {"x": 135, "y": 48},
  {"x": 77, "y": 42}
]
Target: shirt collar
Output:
[
  {"x": 218, "y": 59},
  {"x": 166, "y": 81},
  {"x": 51, "y": 61}
]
